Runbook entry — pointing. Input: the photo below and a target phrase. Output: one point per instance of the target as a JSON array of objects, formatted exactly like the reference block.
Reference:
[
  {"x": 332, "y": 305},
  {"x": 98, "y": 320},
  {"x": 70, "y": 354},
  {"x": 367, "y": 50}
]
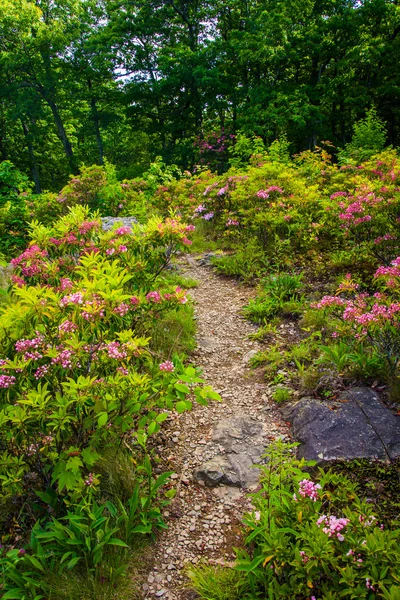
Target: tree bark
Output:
[
  {"x": 62, "y": 134},
  {"x": 32, "y": 157},
  {"x": 96, "y": 123}
]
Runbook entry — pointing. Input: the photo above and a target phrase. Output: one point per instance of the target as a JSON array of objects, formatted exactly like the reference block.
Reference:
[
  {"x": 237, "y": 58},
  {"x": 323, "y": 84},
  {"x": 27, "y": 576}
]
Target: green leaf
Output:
[
  {"x": 152, "y": 427},
  {"x": 117, "y": 542},
  {"x": 182, "y": 388},
  {"x": 161, "y": 417},
  {"x": 102, "y": 420},
  {"x": 180, "y": 406},
  {"x": 89, "y": 456}
]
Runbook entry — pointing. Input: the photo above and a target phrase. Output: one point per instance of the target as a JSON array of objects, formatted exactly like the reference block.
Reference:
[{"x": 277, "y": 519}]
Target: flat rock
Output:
[
  {"x": 356, "y": 425},
  {"x": 242, "y": 440},
  {"x": 108, "y": 223}
]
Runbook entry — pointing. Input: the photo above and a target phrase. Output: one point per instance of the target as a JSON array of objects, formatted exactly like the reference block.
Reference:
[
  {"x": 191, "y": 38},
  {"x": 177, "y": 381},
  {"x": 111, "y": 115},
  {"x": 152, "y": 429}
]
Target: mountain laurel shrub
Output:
[
  {"x": 315, "y": 539},
  {"x": 76, "y": 377}
]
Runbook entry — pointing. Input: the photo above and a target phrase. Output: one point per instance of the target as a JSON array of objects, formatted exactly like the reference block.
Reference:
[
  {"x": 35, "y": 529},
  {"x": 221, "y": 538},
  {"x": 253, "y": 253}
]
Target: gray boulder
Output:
[
  {"x": 241, "y": 442},
  {"x": 108, "y": 223},
  {"x": 356, "y": 425}
]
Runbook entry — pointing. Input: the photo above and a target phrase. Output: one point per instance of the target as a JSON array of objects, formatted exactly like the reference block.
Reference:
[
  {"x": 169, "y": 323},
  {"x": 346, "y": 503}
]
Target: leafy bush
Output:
[
  {"x": 316, "y": 540},
  {"x": 279, "y": 294},
  {"x": 368, "y": 139},
  {"x": 14, "y": 187},
  {"x": 308, "y": 539}
]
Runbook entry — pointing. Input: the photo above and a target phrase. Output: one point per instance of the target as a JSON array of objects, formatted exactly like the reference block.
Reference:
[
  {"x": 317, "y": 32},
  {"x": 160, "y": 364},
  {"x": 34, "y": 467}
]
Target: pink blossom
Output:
[
  {"x": 110, "y": 251},
  {"x": 308, "y": 489},
  {"x": 67, "y": 327},
  {"x": 6, "y": 381},
  {"x": 190, "y": 228},
  {"x": 304, "y": 556},
  {"x": 275, "y": 188},
  {"x": 123, "y": 371},
  {"x": 337, "y": 195},
  {"x": 19, "y": 281},
  {"x": 122, "y": 248},
  {"x": 123, "y": 230},
  {"x": 167, "y": 366},
  {"x": 86, "y": 226},
  {"x": 115, "y": 350},
  {"x": 333, "y": 525},
  {"x": 232, "y": 222},
  {"x": 262, "y": 194},
  {"x": 122, "y": 309},
  {"x": 76, "y": 298},
  {"x": 66, "y": 284},
  {"x": 383, "y": 238},
  {"x": 134, "y": 300},
  {"x": 154, "y": 297},
  {"x": 329, "y": 301},
  {"x": 186, "y": 241},
  {"x": 63, "y": 359},
  {"x": 24, "y": 345},
  {"x": 41, "y": 371},
  {"x": 32, "y": 355}
]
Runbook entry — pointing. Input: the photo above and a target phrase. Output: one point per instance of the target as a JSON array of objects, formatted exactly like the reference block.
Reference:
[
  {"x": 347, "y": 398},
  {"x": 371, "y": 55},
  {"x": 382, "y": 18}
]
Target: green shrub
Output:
[
  {"x": 281, "y": 394},
  {"x": 216, "y": 583},
  {"x": 318, "y": 540}
]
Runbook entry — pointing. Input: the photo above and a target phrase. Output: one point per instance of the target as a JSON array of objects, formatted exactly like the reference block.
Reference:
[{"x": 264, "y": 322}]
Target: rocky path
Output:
[{"x": 204, "y": 522}]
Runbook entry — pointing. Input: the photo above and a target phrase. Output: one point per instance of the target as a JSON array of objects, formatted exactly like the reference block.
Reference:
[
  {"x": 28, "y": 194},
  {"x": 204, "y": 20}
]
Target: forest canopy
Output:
[{"x": 82, "y": 81}]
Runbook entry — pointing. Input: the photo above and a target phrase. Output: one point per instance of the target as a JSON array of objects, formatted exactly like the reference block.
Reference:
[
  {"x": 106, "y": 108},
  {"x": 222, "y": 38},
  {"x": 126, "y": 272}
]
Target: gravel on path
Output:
[{"x": 205, "y": 523}]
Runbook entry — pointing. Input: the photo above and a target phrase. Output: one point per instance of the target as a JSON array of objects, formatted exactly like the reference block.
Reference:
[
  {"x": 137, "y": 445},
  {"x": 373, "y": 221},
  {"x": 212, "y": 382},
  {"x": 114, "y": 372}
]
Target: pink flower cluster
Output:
[
  {"x": 304, "y": 557},
  {"x": 384, "y": 238},
  {"x": 274, "y": 188},
  {"x": 122, "y": 309},
  {"x": 309, "y": 489},
  {"x": 87, "y": 226},
  {"x": 66, "y": 284},
  {"x": 354, "y": 213},
  {"x": 123, "y": 230},
  {"x": 31, "y": 261},
  {"x": 333, "y": 526},
  {"x": 41, "y": 371},
  {"x": 63, "y": 359},
  {"x": 167, "y": 366},
  {"x": 6, "y": 381},
  {"x": 329, "y": 301},
  {"x": 116, "y": 350},
  {"x": 153, "y": 297},
  {"x": 232, "y": 222},
  {"x": 25, "y": 345},
  {"x": 67, "y": 327},
  {"x": 262, "y": 194},
  {"x": 76, "y": 298},
  {"x": 337, "y": 195}
]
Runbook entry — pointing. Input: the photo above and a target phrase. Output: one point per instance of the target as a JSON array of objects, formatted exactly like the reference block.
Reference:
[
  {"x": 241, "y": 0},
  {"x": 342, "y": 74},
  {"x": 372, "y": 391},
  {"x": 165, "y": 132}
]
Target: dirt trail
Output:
[{"x": 204, "y": 523}]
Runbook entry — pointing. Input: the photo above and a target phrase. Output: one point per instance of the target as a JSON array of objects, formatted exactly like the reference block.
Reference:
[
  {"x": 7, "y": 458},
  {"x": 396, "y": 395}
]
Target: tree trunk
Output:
[
  {"x": 62, "y": 134},
  {"x": 96, "y": 123},
  {"x": 32, "y": 158}
]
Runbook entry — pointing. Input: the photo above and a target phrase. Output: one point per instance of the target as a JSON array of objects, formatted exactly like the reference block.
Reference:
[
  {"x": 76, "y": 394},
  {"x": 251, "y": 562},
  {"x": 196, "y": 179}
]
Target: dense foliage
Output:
[
  {"x": 308, "y": 539},
  {"x": 80, "y": 383},
  {"x": 82, "y": 80}
]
